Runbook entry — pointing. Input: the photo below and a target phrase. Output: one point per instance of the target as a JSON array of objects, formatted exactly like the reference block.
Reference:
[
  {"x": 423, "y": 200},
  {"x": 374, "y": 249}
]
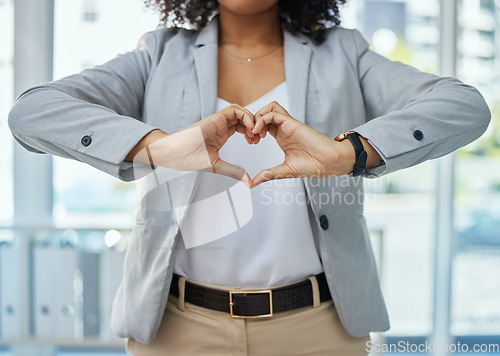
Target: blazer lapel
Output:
[
  {"x": 205, "y": 58},
  {"x": 297, "y": 63}
]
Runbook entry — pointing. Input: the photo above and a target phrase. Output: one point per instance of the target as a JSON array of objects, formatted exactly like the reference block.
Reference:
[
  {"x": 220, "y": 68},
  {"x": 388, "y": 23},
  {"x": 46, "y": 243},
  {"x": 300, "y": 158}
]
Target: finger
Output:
[
  {"x": 241, "y": 108},
  {"x": 230, "y": 170},
  {"x": 234, "y": 114},
  {"x": 273, "y": 106},
  {"x": 281, "y": 171},
  {"x": 242, "y": 130},
  {"x": 250, "y": 140},
  {"x": 272, "y": 117},
  {"x": 232, "y": 122},
  {"x": 242, "y": 114},
  {"x": 263, "y": 132},
  {"x": 256, "y": 139}
]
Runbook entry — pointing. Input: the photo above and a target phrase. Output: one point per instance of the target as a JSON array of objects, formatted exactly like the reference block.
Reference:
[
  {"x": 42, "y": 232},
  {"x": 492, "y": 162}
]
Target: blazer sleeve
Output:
[
  {"x": 94, "y": 117},
  {"x": 414, "y": 116}
]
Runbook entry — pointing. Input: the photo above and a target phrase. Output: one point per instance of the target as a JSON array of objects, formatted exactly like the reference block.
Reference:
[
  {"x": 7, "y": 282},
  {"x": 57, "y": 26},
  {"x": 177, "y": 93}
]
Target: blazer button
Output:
[
  {"x": 418, "y": 135},
  {"x": 86, "y": 140},
  {"x": 323, "y": 221}
]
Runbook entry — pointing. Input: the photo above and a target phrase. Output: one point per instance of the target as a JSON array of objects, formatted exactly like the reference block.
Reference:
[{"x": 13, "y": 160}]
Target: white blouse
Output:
[{"x": 234, "y": 236}]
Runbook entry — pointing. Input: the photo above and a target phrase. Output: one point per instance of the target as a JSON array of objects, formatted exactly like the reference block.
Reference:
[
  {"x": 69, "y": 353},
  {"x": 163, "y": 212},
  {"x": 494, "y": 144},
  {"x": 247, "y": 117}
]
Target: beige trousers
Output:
[{"x": 187, "y": 329}]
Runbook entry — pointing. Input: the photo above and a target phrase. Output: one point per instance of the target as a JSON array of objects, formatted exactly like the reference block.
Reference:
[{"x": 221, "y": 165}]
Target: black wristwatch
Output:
[{"x": 361, "y": 155}]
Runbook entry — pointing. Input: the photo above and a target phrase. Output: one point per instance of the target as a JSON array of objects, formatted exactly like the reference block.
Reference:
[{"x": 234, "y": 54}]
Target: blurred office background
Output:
[{"x": 64, "y": 226}]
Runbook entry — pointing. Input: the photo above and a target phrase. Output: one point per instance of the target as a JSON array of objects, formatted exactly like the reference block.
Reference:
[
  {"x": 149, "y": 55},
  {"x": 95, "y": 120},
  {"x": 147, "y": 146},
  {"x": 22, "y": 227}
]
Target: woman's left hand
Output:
[{"x": 308, "y": 153}]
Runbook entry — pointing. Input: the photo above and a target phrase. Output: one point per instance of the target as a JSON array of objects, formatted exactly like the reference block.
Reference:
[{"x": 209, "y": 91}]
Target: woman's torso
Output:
[{"x": 238, "y": 237}]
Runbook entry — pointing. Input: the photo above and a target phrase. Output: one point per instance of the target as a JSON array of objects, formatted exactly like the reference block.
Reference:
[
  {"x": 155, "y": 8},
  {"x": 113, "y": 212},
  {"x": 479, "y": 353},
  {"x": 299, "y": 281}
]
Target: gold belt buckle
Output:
[{"x": 268, "y": 291}]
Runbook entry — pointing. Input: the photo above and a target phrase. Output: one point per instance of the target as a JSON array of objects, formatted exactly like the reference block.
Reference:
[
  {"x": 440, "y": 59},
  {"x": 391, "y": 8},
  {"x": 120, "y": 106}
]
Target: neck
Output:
[{"x": 250, "y": 30}]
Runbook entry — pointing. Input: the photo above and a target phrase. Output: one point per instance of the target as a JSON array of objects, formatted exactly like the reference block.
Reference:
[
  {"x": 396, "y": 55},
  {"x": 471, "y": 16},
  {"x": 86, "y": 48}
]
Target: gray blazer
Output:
[{"x": 170, "y": 81}]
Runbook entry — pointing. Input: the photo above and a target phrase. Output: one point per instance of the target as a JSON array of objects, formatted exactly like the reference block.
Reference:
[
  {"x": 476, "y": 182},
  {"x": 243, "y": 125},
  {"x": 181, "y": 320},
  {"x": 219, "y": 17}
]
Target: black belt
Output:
[{"x": 253, "y": 303}]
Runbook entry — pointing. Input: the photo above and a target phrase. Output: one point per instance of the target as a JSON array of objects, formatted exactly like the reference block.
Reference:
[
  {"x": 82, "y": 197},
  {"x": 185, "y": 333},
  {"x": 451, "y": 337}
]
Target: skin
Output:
[
  {"x": 249, "y": 29},
  {"x": 249, "y": 35}
]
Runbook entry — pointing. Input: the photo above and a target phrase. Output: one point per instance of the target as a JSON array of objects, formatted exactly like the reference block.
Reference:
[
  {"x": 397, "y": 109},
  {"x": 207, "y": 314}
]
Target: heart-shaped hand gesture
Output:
[{"x": 308, "y": 153}]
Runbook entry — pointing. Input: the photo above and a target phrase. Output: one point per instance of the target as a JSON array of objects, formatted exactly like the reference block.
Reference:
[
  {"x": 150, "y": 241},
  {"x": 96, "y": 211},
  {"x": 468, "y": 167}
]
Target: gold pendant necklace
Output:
[{"x": 249, "y": 59}]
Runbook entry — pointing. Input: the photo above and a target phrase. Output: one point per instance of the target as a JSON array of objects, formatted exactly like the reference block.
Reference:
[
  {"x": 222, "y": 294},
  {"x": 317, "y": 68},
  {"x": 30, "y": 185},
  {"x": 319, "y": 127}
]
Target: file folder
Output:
[
  {"x": 44, "y": 307},
  {"x": 111, "y": 275},
  {"x": 10, "y": 292},
  {"x": 65, "y": 264},
  {"x": 89, "y": 266},
  {"x": 53, "y": 271}
]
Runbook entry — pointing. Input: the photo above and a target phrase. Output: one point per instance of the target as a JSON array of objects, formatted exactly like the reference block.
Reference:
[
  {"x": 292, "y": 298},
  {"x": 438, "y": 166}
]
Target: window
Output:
[
  {"x": 475, "y": 284},
  {"x": 6, "y": 100},
  {"x": 81, "y": 193}
]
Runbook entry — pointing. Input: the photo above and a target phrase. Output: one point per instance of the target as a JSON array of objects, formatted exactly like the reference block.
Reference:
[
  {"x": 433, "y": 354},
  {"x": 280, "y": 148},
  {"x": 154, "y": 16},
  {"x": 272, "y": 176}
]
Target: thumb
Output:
[
  {"x": 230, "y": 170},
  {"x": 277, "y": 172}
]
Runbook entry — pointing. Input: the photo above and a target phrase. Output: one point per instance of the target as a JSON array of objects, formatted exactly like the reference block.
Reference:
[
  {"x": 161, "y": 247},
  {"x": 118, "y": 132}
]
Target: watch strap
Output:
[{"x": 361, "y": 155}]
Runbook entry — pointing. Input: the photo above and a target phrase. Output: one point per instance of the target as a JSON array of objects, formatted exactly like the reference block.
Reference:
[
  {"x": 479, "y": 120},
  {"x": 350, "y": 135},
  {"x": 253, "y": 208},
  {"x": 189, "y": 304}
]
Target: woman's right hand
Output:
[{"x": 196, "y": 148}]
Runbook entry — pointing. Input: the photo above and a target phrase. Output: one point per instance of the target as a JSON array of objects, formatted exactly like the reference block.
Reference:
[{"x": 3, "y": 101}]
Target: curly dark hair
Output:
[{"x": 311, "y": 17}]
